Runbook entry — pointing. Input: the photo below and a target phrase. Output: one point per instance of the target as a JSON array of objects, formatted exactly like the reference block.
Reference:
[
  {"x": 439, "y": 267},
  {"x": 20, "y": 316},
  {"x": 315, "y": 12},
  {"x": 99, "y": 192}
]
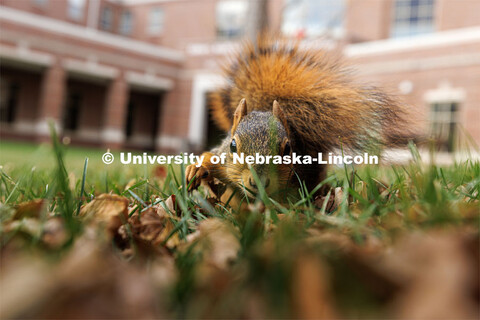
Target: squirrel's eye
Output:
[
  {"x": 286, "y": 149},
  {"x": 233, "y": 146}
]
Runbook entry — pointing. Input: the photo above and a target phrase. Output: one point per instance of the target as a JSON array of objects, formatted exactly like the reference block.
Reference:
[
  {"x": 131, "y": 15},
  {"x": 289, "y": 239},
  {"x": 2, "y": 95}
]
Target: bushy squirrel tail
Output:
[
  {"x": 324, "y": 107},
  {"x": 219, "y": 105}
]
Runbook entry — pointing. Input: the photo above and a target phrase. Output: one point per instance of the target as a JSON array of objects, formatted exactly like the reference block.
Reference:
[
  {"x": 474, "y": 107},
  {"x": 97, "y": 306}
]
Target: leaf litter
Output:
[{"x": 132, "y": 261}]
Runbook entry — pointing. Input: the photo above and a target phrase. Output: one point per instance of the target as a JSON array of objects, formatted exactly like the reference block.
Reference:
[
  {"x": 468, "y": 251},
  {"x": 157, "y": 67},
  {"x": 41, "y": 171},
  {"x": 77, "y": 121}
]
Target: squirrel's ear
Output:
[
  {"x": 240, "y": 112},
  {"x": 278, "y": 113}
]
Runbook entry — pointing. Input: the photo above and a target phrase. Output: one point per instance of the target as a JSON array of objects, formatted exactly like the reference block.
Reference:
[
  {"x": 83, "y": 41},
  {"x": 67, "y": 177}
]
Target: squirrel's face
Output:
[{"x": 259, "y": 133}]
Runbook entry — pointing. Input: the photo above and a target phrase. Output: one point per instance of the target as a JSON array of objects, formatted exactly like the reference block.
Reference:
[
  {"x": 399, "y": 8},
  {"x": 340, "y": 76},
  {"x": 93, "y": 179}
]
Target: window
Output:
[
  {"x": 106, "y": 18},
  {"x": 412, "y": 17},
  {"x": 8, "y": 100},
  {"x": 214, "y": 133},
  {"x": 40, "y": 3},
  {"x": 156, "y": 21},
  {"x": 75, "y": 9},
  {"x": 231, "y": 18},
  {"x": 129, "y": 125},
  {"x": 72, "y": 112},
  {"x": 126, "y": 23},
  {"x": 444, "y": 119},
  {"x": 312, "y": 18}
]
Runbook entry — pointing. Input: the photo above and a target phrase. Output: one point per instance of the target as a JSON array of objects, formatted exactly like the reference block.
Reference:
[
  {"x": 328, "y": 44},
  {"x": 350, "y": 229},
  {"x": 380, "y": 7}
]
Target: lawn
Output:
[{"x": 110, "y": 241}]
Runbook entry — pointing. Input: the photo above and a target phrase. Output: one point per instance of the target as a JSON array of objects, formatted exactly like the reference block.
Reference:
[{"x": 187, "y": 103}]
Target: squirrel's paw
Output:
[{"x": 197, "y": 174}]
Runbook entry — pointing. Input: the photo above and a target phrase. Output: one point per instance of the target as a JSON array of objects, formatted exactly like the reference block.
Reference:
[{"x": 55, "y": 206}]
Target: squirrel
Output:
[{"x": 280, "y": 99}]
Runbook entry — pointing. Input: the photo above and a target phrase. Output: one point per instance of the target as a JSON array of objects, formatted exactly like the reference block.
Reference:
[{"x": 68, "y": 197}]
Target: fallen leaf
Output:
[
  {"x": 160, "y": 172},
  {"x": 54, "y": 233},
  {"x": 333, "y": 201},
  {"x": 151, "y": 230},
  {"x": 439, "y": 273},
  {"x": 218, "y": 243},
  {"x": 29, "y": 226},
  {"x": 107, "y": 208},
  {"x": 311, "y": 291},
  {"x": 30, "y": 209},
  {"x": 154, "y": 225}
]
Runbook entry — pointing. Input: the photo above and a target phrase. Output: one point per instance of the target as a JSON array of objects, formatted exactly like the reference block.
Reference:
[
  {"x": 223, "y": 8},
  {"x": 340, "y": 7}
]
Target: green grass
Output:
[
  {"x": 24, "y": 154},
  {"x": 378, "y": 205}
]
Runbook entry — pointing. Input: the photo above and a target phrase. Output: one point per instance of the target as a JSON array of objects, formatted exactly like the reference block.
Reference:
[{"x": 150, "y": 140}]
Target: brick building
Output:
[{"x": 135, "y": 73}]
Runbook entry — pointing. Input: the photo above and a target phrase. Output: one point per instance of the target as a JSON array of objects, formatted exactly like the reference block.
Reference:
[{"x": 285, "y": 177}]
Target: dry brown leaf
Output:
[
  {"x": 440, "y": 275},
  {"x": 91, "y": 282},
  {"x": 330, "y": 238},
  {"x": 333, "y": 201},
  {"x": 159, "y": 172},
  {"x": 30, "y": 209},
  {"x": 23, "y": 281},
  {"x": 154, "y": 225},
  {"x": 215, "y": 188},
  {"x": 107, "y": 208},
  {"x": 29, "y": 226},
  {"x": 338, "y": 197},
  {"x": 311, "y": 290},
  {"x": 71, "y": 181},
  {"x": 218, "y": 242},
  {"x": 424, "y": 275},
  {"x": 151, "y": 230},
  {"x": 54, "y": 233},
  {"x": 171, "y": 205},
  {"x": 163, "y": 272}
]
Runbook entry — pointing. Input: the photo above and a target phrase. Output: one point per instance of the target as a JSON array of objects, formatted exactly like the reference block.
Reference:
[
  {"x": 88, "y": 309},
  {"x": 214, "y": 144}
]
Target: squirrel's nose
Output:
[{"x": 266, "y": 182}]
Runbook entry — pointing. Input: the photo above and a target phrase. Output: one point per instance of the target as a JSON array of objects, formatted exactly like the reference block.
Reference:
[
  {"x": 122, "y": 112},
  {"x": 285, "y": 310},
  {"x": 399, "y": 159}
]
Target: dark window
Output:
[
  {"x": 444, "y": 118},
  {"x": 72, "y": 112},
  {"x": 8, "y": 101},
  {"x": 129, "y": 126}
]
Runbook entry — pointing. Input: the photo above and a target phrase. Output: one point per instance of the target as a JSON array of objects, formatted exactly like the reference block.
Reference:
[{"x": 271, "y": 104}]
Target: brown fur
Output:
[
  {"x": 324, "y": 108},
  {"x": 312, "y": 102}
]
